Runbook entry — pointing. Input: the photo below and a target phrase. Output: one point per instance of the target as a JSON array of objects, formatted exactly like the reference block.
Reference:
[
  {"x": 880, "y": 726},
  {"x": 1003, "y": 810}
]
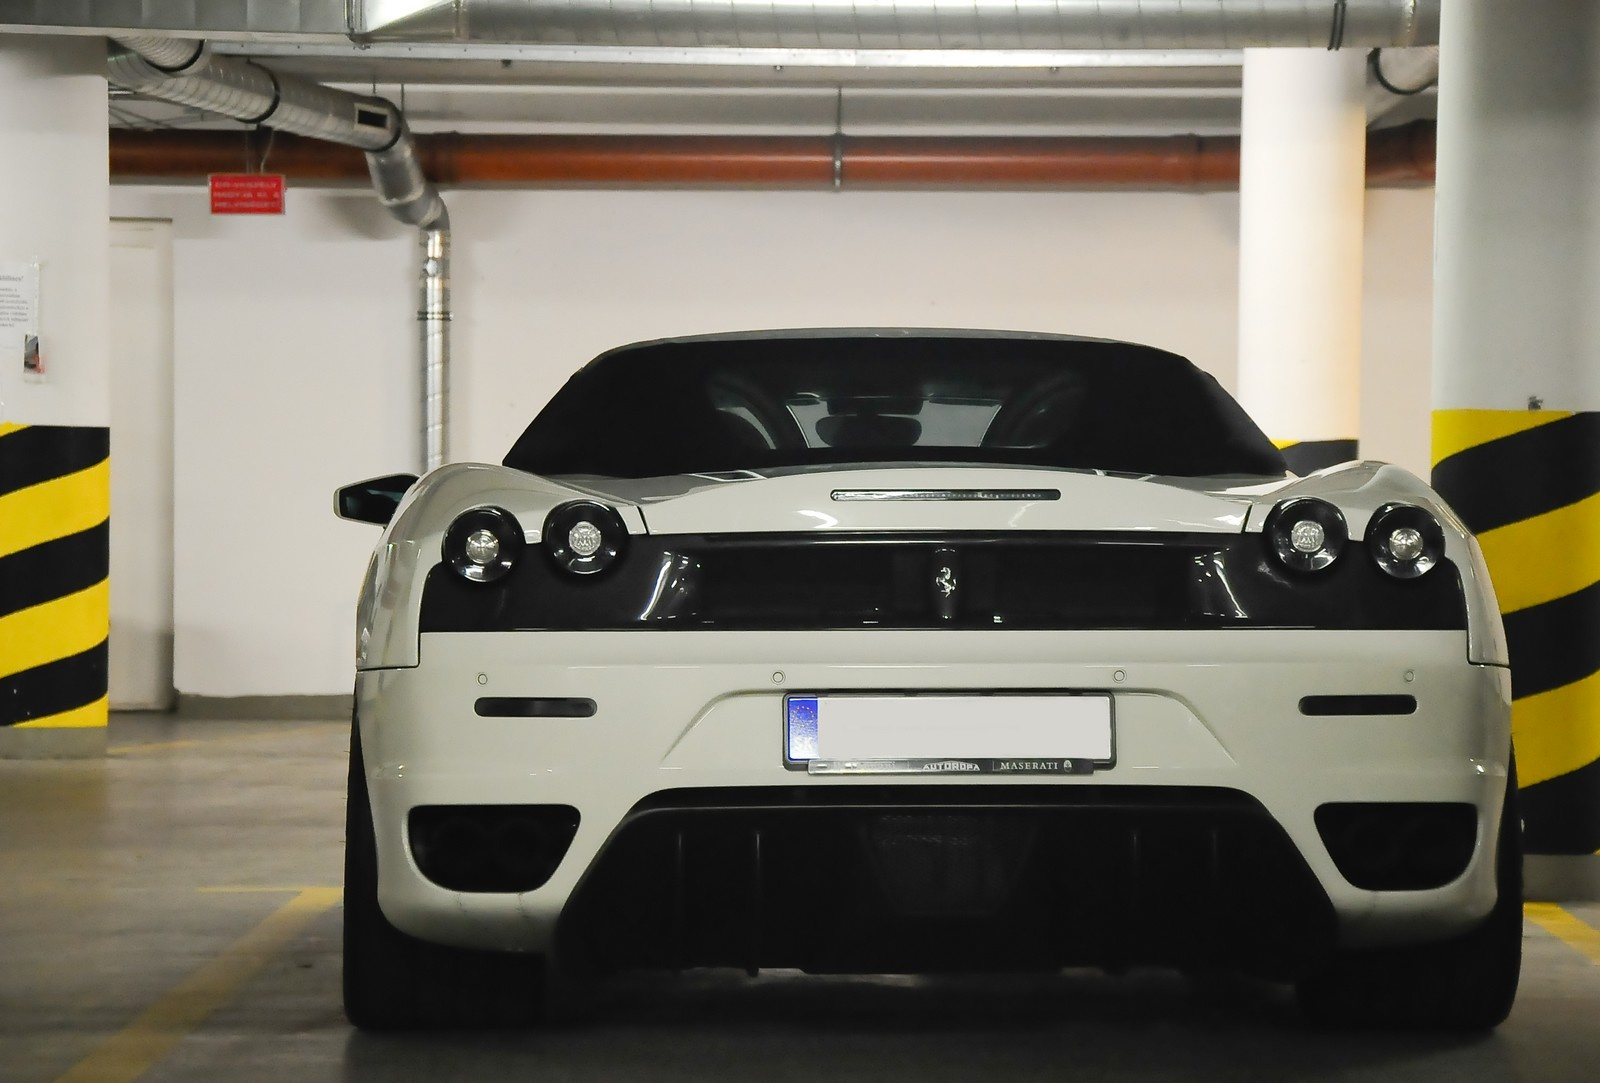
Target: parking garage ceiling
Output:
[{"x": 510, "y": 67}]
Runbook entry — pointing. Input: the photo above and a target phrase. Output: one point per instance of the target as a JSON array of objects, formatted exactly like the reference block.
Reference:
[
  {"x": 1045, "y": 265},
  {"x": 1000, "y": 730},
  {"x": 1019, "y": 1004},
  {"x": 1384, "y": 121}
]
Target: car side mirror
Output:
[{"x": 373, "y": 500}]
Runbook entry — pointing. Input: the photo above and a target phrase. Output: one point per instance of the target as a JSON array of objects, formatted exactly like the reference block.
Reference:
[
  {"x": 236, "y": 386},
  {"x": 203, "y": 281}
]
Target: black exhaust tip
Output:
[
  {"x": 1399, "y": 846},
  {"x": 491, "y": 848}
]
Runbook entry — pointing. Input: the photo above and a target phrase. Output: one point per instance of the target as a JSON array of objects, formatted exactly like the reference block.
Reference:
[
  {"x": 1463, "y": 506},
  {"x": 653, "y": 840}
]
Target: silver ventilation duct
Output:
[
  {"x": 986, "y": 25},
  {"x": 906, "y": 24},
  {"x": 166, "y": 54},
  {"x": 237, "y": 20},
  {"x": 187, "y": 73},
  {"x": 1393, "y": 75}
]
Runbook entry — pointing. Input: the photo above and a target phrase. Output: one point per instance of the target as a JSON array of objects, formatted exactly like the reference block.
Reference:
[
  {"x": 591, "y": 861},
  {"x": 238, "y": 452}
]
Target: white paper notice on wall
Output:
[{"x": 19, "y": 319}]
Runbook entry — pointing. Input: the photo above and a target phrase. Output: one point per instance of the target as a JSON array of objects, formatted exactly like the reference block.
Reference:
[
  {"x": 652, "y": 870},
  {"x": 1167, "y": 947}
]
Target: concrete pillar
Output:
[
  {"x": 54, "y": 440},
  {"x": 1302, "y": 190},
  {"x": 1516, "y": 424}
]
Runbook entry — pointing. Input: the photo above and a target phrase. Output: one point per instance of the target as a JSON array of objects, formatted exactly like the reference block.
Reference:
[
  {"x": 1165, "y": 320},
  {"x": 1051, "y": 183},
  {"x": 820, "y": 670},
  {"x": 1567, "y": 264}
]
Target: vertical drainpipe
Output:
[
  {"x": 433, "y": 320},
  {"x": 403, "y": 188}
]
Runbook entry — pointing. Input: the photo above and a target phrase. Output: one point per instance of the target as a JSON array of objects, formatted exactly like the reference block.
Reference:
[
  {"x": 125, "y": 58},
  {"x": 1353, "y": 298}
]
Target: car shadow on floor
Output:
[{"x": 1148, "y": 1025}]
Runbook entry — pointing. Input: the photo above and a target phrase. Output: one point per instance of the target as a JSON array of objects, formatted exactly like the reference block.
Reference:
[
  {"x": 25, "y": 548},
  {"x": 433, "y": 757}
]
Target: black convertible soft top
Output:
[{"x": 797, "y": 398}]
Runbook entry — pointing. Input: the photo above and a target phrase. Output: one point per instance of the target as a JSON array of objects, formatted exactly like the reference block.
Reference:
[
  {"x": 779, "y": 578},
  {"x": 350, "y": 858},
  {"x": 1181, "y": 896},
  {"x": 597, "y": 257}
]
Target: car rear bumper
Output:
[
  {"x": 1214, "y": 755},
  {"x": 948, "y": 878}
]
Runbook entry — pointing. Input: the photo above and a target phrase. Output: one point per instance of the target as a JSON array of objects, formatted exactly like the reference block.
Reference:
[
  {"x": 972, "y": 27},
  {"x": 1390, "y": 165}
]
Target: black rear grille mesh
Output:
[{"x": 876, "y": 879}]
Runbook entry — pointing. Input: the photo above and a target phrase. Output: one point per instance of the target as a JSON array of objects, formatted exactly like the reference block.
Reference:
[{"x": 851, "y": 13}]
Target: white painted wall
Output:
[
  {"x": 293, "y": 374},
  {"x": 295, "y": 361},
  {"x": 140, "y": 648}
]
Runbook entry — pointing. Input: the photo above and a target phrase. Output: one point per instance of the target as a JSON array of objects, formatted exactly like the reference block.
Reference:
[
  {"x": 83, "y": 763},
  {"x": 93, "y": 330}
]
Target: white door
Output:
[{"x": 141, "y": 465}]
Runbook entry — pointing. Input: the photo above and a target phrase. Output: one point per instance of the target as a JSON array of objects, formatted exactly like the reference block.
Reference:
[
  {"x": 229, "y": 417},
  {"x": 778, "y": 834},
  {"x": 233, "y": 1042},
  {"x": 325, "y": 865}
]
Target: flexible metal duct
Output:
[
  {"x": 187, "y": 73},
  {"x": 1393, "y": 75},
  {"x": 906, "y": 24}
]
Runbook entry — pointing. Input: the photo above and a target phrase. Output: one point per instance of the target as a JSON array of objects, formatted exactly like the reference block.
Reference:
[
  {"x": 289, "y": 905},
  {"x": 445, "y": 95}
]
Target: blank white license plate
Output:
[{"x": 931, "y": 734}]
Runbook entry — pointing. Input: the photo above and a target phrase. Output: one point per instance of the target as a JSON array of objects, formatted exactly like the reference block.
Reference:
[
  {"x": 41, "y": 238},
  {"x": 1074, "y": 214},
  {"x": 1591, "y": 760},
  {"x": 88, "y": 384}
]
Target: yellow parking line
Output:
[
  {"x": 1577, "y": 935},
  {"x": 260, "y": 889},
  {"x": 130, "y": 1052}
]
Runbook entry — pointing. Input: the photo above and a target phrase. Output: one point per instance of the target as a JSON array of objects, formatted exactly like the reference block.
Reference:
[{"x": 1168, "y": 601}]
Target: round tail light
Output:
[
  {"x": 584, "y": 537},
  {"x": 483, "y": 544},
  {"x": 1405, "y": 540},
  {"x": 1306, "y": 534}
]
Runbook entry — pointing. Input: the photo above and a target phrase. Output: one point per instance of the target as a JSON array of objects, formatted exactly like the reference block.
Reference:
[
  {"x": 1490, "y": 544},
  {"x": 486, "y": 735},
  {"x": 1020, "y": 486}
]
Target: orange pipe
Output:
[
  {"x": 1394, "y": 156},
  {"x": 191, "y": 155},
  {"x": 1171, "y": 161},
  {"x": 756, "y": 161},
  {"x": 1403, "y": 154}
]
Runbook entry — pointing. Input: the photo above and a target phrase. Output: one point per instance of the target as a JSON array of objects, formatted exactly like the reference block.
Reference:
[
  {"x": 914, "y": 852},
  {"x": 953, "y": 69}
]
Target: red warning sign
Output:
[{"x": 246, "y": 193}]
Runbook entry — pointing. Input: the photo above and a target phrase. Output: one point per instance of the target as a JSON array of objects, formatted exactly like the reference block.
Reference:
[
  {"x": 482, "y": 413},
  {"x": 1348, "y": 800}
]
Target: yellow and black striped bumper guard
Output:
[
  {"x": 55, "y": 509},
  {"x": 1528, "y": 484}
]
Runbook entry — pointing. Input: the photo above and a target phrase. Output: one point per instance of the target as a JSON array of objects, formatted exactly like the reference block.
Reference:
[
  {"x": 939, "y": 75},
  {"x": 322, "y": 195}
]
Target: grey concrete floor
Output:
[{"x": 170, "y": 914}]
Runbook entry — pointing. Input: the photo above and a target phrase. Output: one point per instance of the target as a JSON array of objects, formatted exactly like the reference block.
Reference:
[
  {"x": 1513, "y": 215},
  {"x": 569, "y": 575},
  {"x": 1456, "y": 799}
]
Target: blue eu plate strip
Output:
[{"x": 801, "y": 726}]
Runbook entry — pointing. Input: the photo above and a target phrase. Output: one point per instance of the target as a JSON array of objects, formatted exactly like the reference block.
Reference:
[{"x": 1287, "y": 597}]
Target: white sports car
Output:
[{"x": 923, "y": 651}]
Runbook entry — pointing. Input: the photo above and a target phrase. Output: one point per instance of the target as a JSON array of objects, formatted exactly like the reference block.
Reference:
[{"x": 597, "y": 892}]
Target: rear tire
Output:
[
  {"x": 393, "y": 981},
  {"x": 1467, "y": 983}
]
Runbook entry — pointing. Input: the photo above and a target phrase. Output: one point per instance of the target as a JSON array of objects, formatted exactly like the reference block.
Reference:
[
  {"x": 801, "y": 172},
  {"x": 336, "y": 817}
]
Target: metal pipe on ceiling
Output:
[
  {"x": 187, "y": 73},
  {"x": 1402, "y": 155},
  {"x": 1168, "y": 162},
  {"x": 241, "y": 20},
  {"x": 1393, "y": 75},
  {"x": 987, "y": 25}
]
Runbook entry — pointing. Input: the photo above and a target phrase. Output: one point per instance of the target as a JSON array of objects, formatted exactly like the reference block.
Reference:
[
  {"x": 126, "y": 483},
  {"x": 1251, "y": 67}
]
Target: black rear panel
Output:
[
  {"x": 1039, "y": 581},
  {"x": 881, "y": 879}
]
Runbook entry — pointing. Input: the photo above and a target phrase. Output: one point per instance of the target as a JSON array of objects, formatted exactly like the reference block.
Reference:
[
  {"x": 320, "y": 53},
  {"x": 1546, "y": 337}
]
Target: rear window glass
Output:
[{"x": 753, "y": 402}]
